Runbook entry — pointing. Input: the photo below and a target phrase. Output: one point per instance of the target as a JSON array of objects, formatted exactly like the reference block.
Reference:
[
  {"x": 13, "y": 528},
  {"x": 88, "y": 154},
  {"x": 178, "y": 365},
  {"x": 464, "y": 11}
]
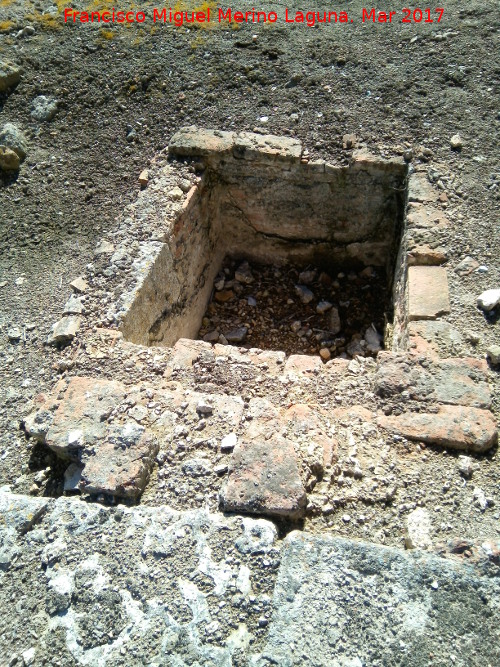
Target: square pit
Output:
[{"x": 261, "y": 200}]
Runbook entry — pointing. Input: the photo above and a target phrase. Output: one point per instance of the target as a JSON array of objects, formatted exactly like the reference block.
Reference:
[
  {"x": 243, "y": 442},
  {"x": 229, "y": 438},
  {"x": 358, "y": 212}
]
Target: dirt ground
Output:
[{"x": 402, "y": 89}]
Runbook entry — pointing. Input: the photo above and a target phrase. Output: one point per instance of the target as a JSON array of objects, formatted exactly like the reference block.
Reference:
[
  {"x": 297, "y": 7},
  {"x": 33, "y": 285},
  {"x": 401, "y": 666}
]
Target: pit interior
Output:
[{"x": 260, "y": 232}]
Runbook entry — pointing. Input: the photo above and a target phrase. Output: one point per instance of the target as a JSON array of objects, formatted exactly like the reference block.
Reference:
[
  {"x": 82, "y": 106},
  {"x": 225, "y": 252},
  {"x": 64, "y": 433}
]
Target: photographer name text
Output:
[{"x": 235, "y": 16}]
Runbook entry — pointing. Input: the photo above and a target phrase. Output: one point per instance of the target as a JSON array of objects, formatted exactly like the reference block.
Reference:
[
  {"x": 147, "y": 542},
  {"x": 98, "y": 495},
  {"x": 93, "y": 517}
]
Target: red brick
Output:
[
  {"x": 453, "y": 426},
  {"x": 264, "y": 475},
  {"x": 121, "y": 463},
  {"x": 428, "y": 296},
  {"x": 264, "y": 478}
]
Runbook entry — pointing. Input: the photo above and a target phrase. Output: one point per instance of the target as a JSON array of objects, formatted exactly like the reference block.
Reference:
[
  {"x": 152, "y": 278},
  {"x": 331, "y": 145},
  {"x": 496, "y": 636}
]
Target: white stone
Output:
[
  {"x": 493, "y": 354},
  {"x": 489, "y": 299},
  {"x": 28, "y": 656},
  {"x": 465, "y": 466},
  {"x": 228, "y": 443},
  {"x": 480, "y": 498},
  {"x": 323, "y": 306},
  {"x": 43, "y": 108},
  {"x": 204, "y": 408}
]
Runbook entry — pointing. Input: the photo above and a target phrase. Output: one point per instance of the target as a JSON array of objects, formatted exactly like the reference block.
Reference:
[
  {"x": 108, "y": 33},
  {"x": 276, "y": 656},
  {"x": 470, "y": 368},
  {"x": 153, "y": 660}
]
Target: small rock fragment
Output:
[
  {"x": 349, "y": 141},
  {"x": 493, "y": 354},
  {"x": 9, "y": 159},
  {"x": 204, "y": 408},
  {"x": 489, "y": 299},
  {"x": 373, "y": 340},
  {"x": 335, "y": 323},
  {"x": 72, "y": 477},
  {"x": 196, "y": 467},
  {"x": 10, "y": 75},
  {"x": 79, "y": 285},
  {"x": 237, "y": 335},
  {"x": 304, "y": 293},
  {"x": 73, "y": 306},
  {"x": 465, "y": 466},
  {"x": 355, "y": 349},
  {"x": 185, "y": 185},
  {"x": 323, "y": 307},
  {"x": 325, "y": 353},
  {"x": 64, "y": 330},
  {"x": 144, "y": 178},
  {"x": 466, "y": 266},
  {"x": 28, "y": 657},
  {"x": 12, "y": 137},
  {"x": 224, "y": 295},
  {"x": 43, "y": 108},
  {"x": 456, "y": 142},
  {"x": 211, "y": 336},
  {"x": 14, "y": 335},
  {"x": 228, "y": 443},
  {"x": 307, "y": 277},
  {"x": 176, "y": 193},
  {"x": 243, "y": 274},
  {"x": 480, "y": 498}
]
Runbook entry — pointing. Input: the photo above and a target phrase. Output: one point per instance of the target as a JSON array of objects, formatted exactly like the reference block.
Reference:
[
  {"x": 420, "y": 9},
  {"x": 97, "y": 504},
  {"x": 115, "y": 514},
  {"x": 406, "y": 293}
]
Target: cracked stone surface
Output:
[
  {"x": 200, "y": 588},
  {"x": 343, "y": 603},
  {"x": 115, "y": 458}
]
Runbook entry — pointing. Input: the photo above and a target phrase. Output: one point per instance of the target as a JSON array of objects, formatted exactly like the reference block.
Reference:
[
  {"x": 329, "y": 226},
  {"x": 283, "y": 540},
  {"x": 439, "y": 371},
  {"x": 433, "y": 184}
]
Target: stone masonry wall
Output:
[{"x": 258, "y": 199}]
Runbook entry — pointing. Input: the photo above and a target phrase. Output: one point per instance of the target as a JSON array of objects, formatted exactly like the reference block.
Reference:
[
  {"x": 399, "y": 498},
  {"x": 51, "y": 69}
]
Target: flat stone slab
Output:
[
  {"x": 449, "y": 381},
  {"x": 80, "y": 419},
  {"x": 264, "y": 473},
  {"x": 428, "y": 296},
  {"x": 116, "y": 457},
  {"x": 302, "y": 364},
  {"x": 64, "y": 330},
  {"x": 420, "y": 190},
  {"x": 121, "y": 463},
  {"x": 340, "y": 603},
  {"x": 194, "y": 141},
  {"x": 452, "y": 426},
  {"x": 264, "y": 479}
]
